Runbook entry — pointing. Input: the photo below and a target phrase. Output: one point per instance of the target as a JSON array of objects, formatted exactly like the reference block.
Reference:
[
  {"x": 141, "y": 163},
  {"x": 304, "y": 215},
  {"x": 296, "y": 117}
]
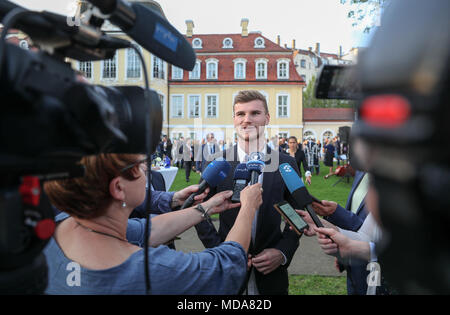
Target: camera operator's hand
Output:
[
  {"x": 180, "y": 196},
  {"x": 326, "y": 208},
  {"x": 220, "y": 202}
]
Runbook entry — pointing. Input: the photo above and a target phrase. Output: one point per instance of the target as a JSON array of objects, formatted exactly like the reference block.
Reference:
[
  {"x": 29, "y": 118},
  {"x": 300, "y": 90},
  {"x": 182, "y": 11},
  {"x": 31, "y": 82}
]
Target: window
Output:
[
  {"x": 261, "y": 69},
  {"x": 86, "y": 68},
  {"x": 177, "y": 73},
  {"x": 177, "y": 135},
  {"x": 177, "y": 106},
  {"x": 195, "y": 73},
  {"x": 211, "y": 68},
  {"x": 197, "y": 43},
  {"x": 158, "y": 68},
  {"x": 303, "y": 63},
  {"x": 109, "y": 68},
  {"x": 227, "y": 43},
  {"x": 283, "y": 69},
  {"x": 133, "y": 64},
  {"x": 161, "y": 99},
  {"x": 327, "y": 135},
  {"x": 259, "y": 43},
  {"x": 239, "y": 68},
  {"x": 194, "y": 106},
  {"x": 211, "y": 106},
  {"x": 303, "y": 77},
  {"x": 309, "y": 135},
  {"x": 282, "y": 106},
  {"x": 283, "y": 134}
]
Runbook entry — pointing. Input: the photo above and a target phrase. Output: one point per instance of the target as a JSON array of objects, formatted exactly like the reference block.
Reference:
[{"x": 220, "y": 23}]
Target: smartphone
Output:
[{"x": 291, "y": 216}]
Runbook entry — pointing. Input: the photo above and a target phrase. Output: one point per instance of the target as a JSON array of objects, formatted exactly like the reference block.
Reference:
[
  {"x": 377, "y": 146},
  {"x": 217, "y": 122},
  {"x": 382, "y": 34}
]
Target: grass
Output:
[{"x": 322, "y": 189}]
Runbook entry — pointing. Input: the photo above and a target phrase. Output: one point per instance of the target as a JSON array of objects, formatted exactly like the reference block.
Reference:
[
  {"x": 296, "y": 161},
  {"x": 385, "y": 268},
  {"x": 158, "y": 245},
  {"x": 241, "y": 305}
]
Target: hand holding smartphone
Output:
[{"x": 291, "y": 216}]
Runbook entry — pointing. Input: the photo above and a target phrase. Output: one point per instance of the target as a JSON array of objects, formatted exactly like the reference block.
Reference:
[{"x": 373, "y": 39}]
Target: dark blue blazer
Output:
[{"x": 346, "y": 219}]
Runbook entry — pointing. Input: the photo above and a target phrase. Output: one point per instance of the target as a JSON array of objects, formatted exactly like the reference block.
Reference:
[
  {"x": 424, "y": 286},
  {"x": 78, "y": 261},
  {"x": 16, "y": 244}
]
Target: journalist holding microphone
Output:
[{"x": 97, "y": 249}]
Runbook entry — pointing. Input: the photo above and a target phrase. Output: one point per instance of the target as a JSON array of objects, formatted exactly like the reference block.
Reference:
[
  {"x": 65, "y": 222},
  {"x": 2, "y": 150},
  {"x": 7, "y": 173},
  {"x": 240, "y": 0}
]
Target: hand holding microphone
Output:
[
  {"x": 240, "y": 181},
  {"x": 214, "y": 174}
]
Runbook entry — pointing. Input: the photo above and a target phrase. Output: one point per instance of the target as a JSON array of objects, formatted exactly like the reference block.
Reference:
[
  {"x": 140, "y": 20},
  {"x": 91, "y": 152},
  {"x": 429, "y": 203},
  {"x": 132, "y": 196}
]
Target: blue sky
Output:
[{"x": 306, "y": 21}]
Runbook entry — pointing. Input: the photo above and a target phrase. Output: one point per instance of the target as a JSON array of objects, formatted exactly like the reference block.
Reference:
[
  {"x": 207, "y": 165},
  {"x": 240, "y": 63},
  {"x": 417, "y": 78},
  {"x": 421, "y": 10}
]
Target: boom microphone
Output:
[
  {"x": 240, "y": 181},
  {"x": 213, "y": 175},
  {"x": 150, "y": 29}
]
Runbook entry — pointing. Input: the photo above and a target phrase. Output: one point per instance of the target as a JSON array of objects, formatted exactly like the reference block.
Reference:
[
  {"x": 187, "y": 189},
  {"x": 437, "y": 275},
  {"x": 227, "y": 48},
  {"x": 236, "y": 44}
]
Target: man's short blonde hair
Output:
[{"x": 248, "y": 96}]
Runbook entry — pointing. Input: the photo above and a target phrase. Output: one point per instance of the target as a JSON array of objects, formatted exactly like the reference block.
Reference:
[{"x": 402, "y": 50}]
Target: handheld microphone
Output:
[
  {"x": 302, "y": 197},
  {"x": 150, "y": 29},
  {"x": 255, "y": 166},
  {"x": 240, "y": 181},
  {"x": 213, "y": 175}
]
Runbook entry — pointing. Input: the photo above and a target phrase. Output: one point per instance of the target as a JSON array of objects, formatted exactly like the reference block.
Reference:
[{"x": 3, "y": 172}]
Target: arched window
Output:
[
  {"x": 239, "y": 68},
  {"x": 227, "y": 43},
  {"x": 212, "y": 68},
  {"x": 261, "y": 68},
  {"x": 283, "y": 69},
  {"x": 197, "y": 43},
  {"x": 259, "y": 43}
]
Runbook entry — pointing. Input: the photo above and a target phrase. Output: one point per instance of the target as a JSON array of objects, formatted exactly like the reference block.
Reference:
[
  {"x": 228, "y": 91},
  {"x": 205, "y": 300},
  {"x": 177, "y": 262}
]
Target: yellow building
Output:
[
  {"x": 201, "y": 101},
  {"x": 197, "y": 102}
]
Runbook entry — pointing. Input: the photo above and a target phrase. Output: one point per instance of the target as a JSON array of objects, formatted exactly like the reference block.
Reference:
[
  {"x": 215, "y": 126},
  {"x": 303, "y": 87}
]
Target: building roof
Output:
[
  {"x": 243, "y": 48},
  {"x": 214, "y": 43},
  {"x": 328, "y": 114}
]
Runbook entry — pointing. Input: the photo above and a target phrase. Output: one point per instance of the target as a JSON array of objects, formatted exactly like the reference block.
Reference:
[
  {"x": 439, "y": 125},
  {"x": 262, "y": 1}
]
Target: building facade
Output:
[{"x": 201, "y": 101}]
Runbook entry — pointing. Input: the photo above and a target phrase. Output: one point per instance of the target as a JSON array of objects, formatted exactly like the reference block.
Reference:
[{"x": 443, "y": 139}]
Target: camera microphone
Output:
[
  {"x": 240, "y": 181},
  {"x": 150, "y": 29},
  {"x": 213, "y": 175}
]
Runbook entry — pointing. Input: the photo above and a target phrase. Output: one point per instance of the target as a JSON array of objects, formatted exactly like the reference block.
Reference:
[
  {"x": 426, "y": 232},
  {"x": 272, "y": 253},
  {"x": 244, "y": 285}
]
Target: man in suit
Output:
[
  {"x": 208, "y": 150},
  {"x": 351, "y": 218},
  {"x": 271, "y": 250}
]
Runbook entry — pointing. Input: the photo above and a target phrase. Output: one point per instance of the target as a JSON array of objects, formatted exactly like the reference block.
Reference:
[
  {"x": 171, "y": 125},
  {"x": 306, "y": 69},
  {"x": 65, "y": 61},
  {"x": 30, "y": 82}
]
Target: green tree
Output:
[
  {"x": 365, "y": 13},
  {"x": 310, "y": 101}
]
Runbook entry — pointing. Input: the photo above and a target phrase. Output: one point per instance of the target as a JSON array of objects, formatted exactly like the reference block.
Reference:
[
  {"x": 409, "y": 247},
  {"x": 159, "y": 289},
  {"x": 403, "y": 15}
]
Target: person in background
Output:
[
  {"x": 299, "y": 156},
  {"x": 329, "y": 155}
]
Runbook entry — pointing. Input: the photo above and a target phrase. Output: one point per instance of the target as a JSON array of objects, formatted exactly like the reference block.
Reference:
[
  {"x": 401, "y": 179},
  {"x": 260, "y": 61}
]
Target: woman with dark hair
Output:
[
  {"x": 96, "y": 239},
  {"x": 329, "y": 155},
  {"x": 299, "y": 156}
]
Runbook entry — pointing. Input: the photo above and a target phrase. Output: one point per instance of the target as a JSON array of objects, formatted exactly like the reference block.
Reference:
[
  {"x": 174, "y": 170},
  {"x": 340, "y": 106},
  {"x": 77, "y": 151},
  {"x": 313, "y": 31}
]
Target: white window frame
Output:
[
  {"x": 191, "y": 76},
  {"x": 207, "y": 105},
  {"x": 172, "y": 109},
  {"x": 288, "y": 105},
  {"x": 283, "y": 132},
  {"x": 258, "y": 62},
  {"x": 215, "y": 62},
  {"x": 263, "y": 45},
  {"x": 176, "y": 134},
  {"x": 162, "y": 98},
  {"x": 243, "y": 62},
  {"x": 197, "y": 43},
  {"x": 280, "y": 62},
  {"x": 313, "y": 132},
  {"x": 229, "y": 46},
  {"x": 176, "y": 70},
  {"x": 137, "y": 59},
  {"x": 199, "y": 97},
  {"x": 103, "y": 68},
  {"x": 162, "y": 65},
  {"x": 92, "y": 69}
]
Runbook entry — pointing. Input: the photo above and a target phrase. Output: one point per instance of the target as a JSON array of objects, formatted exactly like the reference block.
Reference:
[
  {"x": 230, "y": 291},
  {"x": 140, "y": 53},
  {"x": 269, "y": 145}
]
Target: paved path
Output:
[{"x": 309, "y": 259}]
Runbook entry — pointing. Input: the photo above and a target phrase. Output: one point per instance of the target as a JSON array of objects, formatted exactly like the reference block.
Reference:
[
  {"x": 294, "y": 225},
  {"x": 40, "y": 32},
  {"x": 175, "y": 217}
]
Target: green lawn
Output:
[{"x": 322, "y": 189}]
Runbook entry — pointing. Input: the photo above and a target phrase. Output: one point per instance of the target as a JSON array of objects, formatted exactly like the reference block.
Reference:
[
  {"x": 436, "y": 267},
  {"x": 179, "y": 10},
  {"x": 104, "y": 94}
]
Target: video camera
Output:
[
  {"x": 50, "y": 117},
  {"x": 401, "y": 86}
]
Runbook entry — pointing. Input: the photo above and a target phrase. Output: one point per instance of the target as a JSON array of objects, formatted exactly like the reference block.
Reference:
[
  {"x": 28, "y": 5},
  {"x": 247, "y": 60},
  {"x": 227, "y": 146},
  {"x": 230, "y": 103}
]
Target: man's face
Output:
[{"x": 250, "y": 120}]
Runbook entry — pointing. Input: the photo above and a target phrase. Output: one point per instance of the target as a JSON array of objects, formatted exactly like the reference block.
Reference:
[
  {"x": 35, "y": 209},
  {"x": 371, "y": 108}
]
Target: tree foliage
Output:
[{"x": 365, "y": 13}]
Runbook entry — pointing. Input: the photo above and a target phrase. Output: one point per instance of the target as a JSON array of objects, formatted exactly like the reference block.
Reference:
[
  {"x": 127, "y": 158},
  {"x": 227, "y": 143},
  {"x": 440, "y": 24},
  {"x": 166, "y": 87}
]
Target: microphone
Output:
[
  {"x": 302, "y": 197},
  {"x": 255, "y": 168},
  {"x": 241, "y": 179},
  {"x": 213, "y": 175},
  {"x": 150, "y": 29}
]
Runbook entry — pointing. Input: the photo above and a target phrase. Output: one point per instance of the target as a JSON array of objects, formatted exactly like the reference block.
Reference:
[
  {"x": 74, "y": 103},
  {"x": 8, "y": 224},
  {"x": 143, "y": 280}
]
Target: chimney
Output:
[
  {"x": 317, "y": 51},
  {"x": 293, "y": 44},
  {"x": 340, "y": 52},
  {"x": 244, "y": 25},
  {"x": 190, "y": 28},
  {"x": 309, "y": 48},
  {"x": 278, "y": 40}
]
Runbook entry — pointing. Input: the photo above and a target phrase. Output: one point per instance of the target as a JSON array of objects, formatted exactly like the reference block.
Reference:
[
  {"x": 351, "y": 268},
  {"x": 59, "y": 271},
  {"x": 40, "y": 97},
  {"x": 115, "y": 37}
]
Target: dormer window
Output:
[
  {"x": 259, "y": 42},
  {"x": 227, "y": 43},
  {"x": 197, "y": 43}
]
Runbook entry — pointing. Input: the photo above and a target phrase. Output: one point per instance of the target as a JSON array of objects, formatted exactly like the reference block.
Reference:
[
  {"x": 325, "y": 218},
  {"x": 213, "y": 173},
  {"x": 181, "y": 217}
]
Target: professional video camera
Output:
[
  {"x": 400, "y": 138},
  {"x": 50, "y": 118}
]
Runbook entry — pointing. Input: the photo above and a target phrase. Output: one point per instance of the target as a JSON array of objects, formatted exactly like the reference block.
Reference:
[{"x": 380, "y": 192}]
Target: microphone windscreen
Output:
[
  {"x": 158, "y": 36},
  {"x": 290, "y": 177},
  {"x": 216, "y": 172},
  {"x": 241, "y": 172},
  {"x": 255, "y": 165}
]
